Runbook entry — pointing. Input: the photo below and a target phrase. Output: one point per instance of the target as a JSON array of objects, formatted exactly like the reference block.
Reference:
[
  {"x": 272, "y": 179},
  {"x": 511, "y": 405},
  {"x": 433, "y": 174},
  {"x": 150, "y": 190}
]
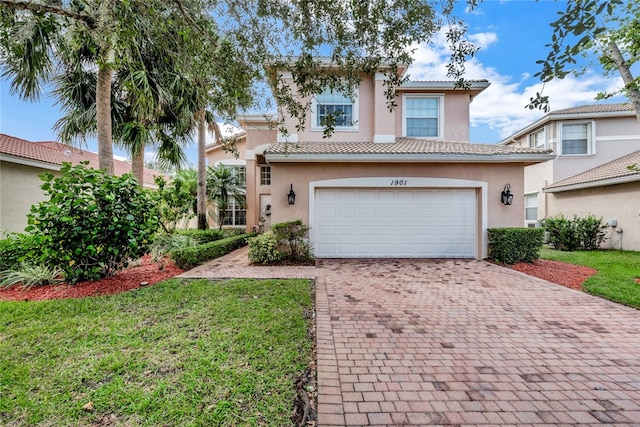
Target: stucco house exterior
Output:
[
  {"x": 594, "y": 144},
  {"x": 404, "y": 183},
  {"x": 22, "y": 161}
]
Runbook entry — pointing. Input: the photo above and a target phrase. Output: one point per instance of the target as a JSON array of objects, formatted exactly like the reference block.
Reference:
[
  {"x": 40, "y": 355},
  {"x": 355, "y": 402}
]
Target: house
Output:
[
  {"x": 402, "y": 183},
  {"x": 594, "y": 144},
  {"x": 22, "y": 161}
]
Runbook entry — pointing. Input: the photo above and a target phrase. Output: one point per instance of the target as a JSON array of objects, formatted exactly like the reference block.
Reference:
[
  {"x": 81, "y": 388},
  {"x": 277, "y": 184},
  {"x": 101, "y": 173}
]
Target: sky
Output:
[{"x": 511, "y": 34}]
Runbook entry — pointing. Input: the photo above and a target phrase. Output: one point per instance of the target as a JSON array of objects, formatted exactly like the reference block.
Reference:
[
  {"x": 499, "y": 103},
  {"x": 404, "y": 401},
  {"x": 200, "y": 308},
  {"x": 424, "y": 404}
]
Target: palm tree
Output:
[{"x": 223, "y": 183}]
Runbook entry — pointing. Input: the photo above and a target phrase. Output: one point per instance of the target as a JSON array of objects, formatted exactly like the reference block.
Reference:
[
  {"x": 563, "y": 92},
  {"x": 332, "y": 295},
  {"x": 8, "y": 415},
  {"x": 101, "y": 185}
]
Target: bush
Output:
[
  {"x": 263, "y": 249},
  {"x": 204, "y": 236},
  {"x": 294, "y": 236},
  {"x": 31, "y": 275},
  {"x": 93, "y": 223},
  {"x": 18, "y": 248},
  {"x": 592, "y": 232},
  {"x": 189, "y": 258},
  {"x": 166, "y": 243},
  {"x": 514, "y": 245},
  {"x": 570, "y": 235}
]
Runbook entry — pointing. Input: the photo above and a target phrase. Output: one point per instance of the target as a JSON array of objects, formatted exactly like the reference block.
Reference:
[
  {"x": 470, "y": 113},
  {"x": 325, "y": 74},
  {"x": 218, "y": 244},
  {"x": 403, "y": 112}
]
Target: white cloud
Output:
[{"x": 501, "y": 107}]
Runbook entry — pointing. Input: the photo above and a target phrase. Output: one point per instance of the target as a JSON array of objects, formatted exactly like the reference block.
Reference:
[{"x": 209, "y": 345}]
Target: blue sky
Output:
[{"x": 511, "y": 34}]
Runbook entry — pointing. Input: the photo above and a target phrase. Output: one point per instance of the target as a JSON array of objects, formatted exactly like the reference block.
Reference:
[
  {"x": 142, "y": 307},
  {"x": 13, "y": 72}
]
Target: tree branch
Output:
[
  {"x": 45, "y": 8},
  {"x": 631, "y": 86}
]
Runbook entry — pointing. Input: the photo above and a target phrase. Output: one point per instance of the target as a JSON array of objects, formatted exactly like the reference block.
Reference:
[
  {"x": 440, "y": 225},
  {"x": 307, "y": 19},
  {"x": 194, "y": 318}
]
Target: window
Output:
[
  {"x": 422, "y": 116},
  {"x": 339, "y": 107},
  {"x": 537, "y": 140},
  {"x": 236, "y": 213},
  {"x": 265, "y": 175},
  {"x": 241, "y": 174},
  {"x": 576, "y": 138},
  {"x": 531, "y": 207}
]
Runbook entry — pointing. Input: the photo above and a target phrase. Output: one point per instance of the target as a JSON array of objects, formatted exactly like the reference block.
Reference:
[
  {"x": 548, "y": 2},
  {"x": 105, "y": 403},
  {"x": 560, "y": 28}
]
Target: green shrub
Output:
[
  {"x": 592, "y": 232},
  {"x": 189, "y": 258},
  {"x": 294, "y": 236},
  {"x": 514, "y": 245},
  {"x": 93, "y": 222},
  {"x": 31, "y": 275},
  {"x": 570, "y": 235},
  {"x": 263, "y": 249},
  {"x": 166, "y": 243},
  {"x": 228, "y": 232},
  {"x": 203, "y": 236},
  {"x": 18, "y": 248}
]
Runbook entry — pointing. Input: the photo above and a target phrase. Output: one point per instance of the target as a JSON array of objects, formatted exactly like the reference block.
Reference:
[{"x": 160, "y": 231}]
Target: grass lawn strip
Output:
[
  {"x": 616, "y": 277},
  {"x": 178, "y": 353}
]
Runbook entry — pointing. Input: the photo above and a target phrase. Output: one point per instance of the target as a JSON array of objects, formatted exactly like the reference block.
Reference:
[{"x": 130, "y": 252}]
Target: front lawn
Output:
[
  {"x": 178, "y": 353},
  {"x": 616, "y": 277}
]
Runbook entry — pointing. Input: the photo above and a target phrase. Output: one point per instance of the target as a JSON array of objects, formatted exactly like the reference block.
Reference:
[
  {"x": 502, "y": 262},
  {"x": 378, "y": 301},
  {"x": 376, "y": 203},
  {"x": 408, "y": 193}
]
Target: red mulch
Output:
[
  {"x": 564, "y": 274},
  {"x": 125, "y": 280}
]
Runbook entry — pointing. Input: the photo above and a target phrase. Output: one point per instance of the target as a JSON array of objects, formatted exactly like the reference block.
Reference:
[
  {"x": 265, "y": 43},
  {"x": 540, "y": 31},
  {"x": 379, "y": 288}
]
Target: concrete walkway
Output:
[{"x": 431, "y": 342}]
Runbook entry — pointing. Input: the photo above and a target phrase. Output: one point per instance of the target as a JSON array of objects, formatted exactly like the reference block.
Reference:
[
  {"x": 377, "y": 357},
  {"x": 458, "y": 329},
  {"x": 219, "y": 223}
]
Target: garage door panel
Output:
[{"x": 395, "y": 223}]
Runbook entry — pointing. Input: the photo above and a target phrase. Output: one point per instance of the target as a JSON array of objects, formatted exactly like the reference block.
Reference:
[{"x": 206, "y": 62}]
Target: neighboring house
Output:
[
  {"x": 22, "y": 161},
  {"x": 594, "y": 144},
  {"x": 401, "y": 183}
]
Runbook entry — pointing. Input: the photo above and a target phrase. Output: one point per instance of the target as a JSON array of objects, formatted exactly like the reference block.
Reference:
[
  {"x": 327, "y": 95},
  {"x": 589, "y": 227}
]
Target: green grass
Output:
[
  {"x": 193, "y": 353},
  {"x": 617, "y": 271}
]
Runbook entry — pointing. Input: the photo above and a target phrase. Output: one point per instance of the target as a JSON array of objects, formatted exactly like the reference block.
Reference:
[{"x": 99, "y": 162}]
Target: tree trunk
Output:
[
  {"x": 137, "y": 166},
  {"x": 631, "y": 87},
  {"x": 103, "y": 118},
  {"x": 202, "y": 172}
]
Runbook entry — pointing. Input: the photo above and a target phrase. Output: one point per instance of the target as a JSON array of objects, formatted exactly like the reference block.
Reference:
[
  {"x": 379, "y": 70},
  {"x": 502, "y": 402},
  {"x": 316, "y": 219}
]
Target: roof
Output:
[
  {"x": 581, "y": 112},
  {"x": 51, "y": 155},
  {"x": 614, "y": 172},
  {"x": 404, "y": 149}
]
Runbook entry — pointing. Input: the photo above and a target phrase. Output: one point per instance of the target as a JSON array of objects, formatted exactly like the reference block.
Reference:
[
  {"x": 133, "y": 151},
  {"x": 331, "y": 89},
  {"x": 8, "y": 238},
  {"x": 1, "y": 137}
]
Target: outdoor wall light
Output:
[
  {"x": 291, "y": 197},
  {"x": 507, "y": 196},
  {"x": 267, "y": 210}
]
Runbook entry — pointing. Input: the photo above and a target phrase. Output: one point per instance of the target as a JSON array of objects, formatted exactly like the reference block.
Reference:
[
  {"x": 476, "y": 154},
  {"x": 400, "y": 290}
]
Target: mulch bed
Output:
[
  {"x": 569, "y": 275},
  {"x": 146, "y": 274}
]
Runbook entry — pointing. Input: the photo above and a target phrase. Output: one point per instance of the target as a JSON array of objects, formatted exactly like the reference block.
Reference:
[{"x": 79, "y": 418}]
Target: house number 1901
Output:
[{"x": 398, "y": 182}]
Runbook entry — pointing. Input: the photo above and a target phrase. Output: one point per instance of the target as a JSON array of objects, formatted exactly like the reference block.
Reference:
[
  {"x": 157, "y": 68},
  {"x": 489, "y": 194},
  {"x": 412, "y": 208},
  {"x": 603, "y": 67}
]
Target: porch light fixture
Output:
[
  {"x": 507, "y": 196},
  {"x": 291, "y": 197}
]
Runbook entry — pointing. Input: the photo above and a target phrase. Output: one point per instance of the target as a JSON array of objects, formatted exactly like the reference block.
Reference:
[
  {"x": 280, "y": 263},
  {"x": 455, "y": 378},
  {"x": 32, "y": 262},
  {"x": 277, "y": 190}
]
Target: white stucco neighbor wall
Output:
[{"x": 19, "y": 189}]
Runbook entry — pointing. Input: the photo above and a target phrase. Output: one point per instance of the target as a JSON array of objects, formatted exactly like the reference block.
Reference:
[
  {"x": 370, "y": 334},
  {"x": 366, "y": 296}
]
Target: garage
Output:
[{"x": 395, "y": 223}]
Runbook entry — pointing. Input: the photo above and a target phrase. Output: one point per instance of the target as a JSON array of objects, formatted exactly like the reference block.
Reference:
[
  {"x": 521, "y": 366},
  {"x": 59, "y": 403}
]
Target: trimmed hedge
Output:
[
  {"x": 514, "y": 245},
  {"x": 189, "y": 258},
  {"x": 203, "y": 236},
  {"x": 565, "y": 234}
]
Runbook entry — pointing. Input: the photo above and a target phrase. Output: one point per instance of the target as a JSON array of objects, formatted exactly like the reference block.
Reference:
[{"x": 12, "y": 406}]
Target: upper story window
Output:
[
  {"x": 422, "y": 116},
  {"x": 335, "y": 106},
  {"x": 538, "y": 139},
  {"x": 241, "y": 174},
  {"x": 576, "y": 138},
  {"x": 265, "y": 175}
]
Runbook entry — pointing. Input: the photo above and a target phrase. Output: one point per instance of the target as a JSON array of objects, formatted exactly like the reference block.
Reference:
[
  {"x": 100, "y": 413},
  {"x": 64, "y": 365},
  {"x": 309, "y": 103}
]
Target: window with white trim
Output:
[
  {"x": 422, "y": 116},
  {"x": 531, "y": 208},
  {"x": 241, "y": 174},
  {"x": 336, "y": 107},
  {"x": 576, "y": 138},
  {"x": 537, "y": 139},
  {"x": 265, "y": 175},
  {"x": 236, "y": 213}
]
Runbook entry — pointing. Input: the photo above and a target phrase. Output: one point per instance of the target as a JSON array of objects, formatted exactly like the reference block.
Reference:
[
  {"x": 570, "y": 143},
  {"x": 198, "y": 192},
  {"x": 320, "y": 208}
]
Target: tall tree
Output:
[
  {"x": 269, "y": 35},
  {"x": 609, "y": 28}
]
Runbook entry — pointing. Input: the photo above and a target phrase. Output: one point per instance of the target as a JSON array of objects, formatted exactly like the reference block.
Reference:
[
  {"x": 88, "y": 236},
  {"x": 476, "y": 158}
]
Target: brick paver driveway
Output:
[{"x": 423, "y": 342}]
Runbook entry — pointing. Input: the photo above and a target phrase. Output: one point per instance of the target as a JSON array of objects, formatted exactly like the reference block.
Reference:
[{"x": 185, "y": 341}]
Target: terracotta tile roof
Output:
[
  {"x": 602, "y": 175},
  {"x": 55, "y": 153},
  {"x": 596, "y": 108},
  {"x": 402, "y": 146}
]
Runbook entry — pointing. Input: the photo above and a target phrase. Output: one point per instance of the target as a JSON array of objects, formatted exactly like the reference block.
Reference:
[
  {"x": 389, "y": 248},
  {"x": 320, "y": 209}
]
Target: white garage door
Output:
[{"x": 382, "y": 223}]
